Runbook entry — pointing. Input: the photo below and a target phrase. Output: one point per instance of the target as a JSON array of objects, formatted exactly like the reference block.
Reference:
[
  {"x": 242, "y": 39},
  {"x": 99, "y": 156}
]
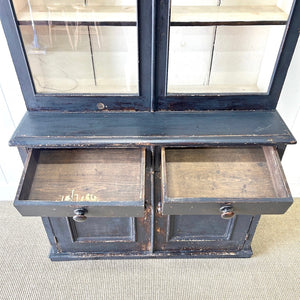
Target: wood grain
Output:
[
  {"x": 102, "y": 175},
  {"x": 218, "y": 172},
  {"x": 68, "y": 13},
  {"x": 227, "y": 13}
]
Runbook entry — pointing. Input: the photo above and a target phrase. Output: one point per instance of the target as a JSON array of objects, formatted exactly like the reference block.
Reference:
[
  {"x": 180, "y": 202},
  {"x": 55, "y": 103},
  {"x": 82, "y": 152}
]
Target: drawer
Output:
[
  {"x": 226, "y": 181},
  {"x": 83, "y": 183}
]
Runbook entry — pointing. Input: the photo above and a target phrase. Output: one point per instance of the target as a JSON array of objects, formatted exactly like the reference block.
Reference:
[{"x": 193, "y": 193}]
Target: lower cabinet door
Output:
[
  {"x": 102, "y": 235},
  {"x": 202, "y": 233}
]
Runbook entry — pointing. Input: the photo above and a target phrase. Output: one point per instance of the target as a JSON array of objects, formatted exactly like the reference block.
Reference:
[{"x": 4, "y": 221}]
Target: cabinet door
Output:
[
  {"x": 102, "y": 236},
  {"x": 201, "y": 233},
  {"x": 94, "y": 51},
  {"x": 219, "y": 54}
]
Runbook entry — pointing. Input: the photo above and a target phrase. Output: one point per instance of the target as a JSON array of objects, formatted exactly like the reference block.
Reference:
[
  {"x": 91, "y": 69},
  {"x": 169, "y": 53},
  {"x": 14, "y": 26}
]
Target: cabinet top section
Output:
[{"x": 71, "y": 130}]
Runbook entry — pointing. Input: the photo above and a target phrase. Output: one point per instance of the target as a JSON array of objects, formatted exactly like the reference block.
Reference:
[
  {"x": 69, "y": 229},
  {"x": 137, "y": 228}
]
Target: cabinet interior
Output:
[
  {"x": 228, "y": 47},
  {"x": 230, "y": 10},
  {"x": 223, "y": 59},
  {"x": 91, "y": 47}
]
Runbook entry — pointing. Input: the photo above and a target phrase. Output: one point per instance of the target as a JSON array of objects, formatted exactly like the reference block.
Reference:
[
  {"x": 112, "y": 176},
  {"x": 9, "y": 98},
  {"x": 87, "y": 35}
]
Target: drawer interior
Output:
[
  {"x": 218, "y": 172},
  {"x": 87, "y": 175},
  {"x": 233, "y": 174},
  {"x": 109, "y": 177}
]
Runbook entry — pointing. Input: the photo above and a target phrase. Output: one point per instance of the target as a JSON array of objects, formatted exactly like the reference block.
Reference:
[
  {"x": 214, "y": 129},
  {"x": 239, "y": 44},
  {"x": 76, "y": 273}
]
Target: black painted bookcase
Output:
[{"x": 151, "y": 127}]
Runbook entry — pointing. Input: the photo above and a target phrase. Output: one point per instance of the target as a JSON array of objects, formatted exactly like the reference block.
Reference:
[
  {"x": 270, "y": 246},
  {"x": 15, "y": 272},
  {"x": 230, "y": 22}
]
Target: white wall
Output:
[
  {"x": 289, "y": 109},
  {"x": 12, "y": 109}
]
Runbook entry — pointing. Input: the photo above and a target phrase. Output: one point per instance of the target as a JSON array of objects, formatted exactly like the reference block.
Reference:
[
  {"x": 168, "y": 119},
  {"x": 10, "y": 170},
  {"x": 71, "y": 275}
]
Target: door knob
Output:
[
  {"x": 79, "y": 215},
  {"x": 227, "y": 212}
]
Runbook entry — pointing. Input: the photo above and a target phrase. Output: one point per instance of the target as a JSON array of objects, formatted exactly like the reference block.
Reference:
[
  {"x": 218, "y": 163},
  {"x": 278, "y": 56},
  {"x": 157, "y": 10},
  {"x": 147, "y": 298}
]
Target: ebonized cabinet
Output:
[{"x": 152, "y": 128}]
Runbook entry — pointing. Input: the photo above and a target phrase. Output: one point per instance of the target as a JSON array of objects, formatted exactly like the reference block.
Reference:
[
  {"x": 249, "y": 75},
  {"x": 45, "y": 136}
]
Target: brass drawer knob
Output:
[
  {"x": 227, "y": 212},
  {"x": 79, "y": 215}
]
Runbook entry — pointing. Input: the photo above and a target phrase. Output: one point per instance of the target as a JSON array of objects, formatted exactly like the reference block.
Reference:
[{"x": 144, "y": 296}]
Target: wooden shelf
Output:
[
  {"x": 94, "y": 13},
  {"x": 227, "y": 14},
  {"x": 214, "y": 89},
  {"x": 61, "y": 130}
]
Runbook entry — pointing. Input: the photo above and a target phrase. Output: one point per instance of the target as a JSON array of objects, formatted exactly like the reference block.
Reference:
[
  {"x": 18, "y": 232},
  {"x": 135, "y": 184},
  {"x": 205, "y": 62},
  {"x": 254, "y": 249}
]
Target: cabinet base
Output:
[{"x": 57, "y": 256}]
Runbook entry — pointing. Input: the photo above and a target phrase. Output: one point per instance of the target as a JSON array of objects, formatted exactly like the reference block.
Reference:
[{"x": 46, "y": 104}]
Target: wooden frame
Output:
[{"x": 153, "y": 42}]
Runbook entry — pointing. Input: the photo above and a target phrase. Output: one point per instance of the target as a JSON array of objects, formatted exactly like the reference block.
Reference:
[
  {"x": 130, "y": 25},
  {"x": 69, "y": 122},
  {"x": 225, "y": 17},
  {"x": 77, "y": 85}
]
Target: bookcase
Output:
[{"x": 151, "y": 128}]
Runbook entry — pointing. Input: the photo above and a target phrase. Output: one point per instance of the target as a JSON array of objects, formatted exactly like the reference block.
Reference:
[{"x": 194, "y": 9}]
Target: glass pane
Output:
[
  {"x": 211, "y": 52},
  {"x": 86, "y": 47},
  {"x": 223, "y": 59}
]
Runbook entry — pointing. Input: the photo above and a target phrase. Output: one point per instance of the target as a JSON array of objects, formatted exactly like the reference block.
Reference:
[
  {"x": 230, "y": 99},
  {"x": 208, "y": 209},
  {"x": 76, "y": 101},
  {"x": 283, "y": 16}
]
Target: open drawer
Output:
[
  {"x": 83, "y": 183},
  {"x": 226, "y": 181}
]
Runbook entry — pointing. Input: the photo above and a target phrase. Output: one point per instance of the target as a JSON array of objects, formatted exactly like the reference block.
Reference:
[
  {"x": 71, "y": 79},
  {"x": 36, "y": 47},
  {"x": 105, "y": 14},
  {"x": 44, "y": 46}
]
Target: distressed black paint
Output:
[{"x": 192, "y": 120}]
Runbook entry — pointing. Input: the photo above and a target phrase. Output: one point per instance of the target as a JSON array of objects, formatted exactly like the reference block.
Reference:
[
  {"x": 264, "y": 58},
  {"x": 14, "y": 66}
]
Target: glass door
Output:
[
  {"x": 80, "y": 46},
  {"x": 84, "y": 47},
  {"x": 223, "y": 48}
]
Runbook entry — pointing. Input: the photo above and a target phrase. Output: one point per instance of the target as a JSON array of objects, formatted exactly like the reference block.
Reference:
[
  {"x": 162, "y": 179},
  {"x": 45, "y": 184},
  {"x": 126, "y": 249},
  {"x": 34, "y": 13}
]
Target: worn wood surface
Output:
[
  {"x": 218, "y": 172},
  {"x": 106, "y": 182},
  {"x": 111, "y": 175},
  {"x": 60, "y": 130},
  {"x": 200, "y": 181}
]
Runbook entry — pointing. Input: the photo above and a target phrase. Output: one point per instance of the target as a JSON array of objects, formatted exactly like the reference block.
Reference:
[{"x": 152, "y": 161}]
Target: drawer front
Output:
[
  {"x": 227, "y": 181},
  {"x": 83, "y": 183}
]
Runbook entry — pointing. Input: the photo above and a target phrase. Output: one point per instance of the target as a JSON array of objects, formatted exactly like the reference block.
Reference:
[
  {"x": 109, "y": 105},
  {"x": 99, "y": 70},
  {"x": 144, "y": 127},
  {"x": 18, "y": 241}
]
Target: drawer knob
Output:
[
  {"x": 227, "y": 212},
  {"x": 79, "y": 215}
]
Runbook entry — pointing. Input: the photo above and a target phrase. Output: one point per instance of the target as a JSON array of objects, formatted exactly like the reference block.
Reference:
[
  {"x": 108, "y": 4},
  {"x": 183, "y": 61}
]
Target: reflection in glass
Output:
[
  {"x": 228, "y": 59},
  {"x": 103, "y": 10},
  {"x": 225, "y": 46},
  {"x": 70, "y": 51}
]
